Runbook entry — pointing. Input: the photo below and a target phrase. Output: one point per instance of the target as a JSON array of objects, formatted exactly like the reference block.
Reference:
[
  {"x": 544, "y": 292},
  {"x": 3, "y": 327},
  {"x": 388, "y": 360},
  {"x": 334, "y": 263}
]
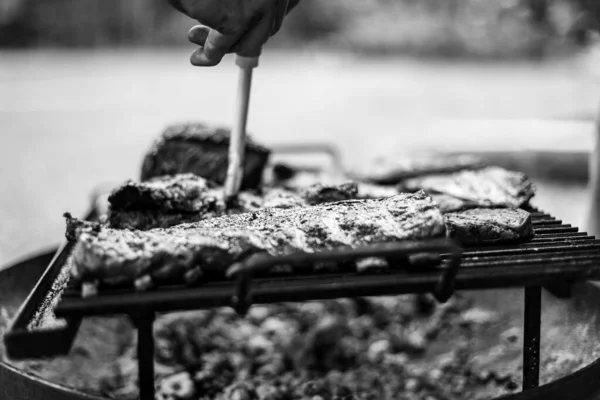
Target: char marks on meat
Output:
[
  {"x": 488, "y": 187},
  {"x": 102, "y": 253},
  {"x": 489, "y": 226},
  {"x": 170, "y": 200},
  {"x": 320, "y": 193},
  {"x": 202, "y": 150}
]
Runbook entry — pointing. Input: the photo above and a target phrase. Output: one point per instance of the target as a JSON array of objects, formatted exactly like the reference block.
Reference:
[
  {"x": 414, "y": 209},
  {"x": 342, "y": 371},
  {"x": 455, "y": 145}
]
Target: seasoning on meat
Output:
[
  {"x": 487, "y": 226},
  {"x": 203, "y": 151},
  {"x": 171, "y": 200},
  {"x": 488, "y": 187},
  {"x": 212, "y": 245}
]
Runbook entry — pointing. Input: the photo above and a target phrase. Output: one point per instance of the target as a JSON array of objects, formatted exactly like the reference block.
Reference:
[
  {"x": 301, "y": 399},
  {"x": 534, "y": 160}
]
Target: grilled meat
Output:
[
  {"x": 170, "y": 200},
  {"x": 451, "y": 204},
  {"x": 203, "y": 151},
  {"x": 488, "y": 187},
  {"x": 486, "y": 226},
  {"x": 212, "y": 245},
  {"x": 319, "y": 193},
  {"x": 390, "y": 172}
]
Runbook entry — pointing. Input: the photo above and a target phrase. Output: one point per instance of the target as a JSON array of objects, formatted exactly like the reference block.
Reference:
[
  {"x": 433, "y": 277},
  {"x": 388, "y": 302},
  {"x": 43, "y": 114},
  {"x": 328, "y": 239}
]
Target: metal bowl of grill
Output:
[{"x": 544, "y": 276}]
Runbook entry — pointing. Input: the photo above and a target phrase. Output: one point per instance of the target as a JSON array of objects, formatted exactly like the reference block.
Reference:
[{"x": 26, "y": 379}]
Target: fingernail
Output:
[{"x": 198, "y": 34}]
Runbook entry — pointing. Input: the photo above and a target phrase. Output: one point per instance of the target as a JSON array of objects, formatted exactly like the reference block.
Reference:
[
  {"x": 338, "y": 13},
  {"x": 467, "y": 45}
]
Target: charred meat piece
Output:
[
  {"x": 488, "y": 187},
  {"x": 202, "y": 150},
  {"x": 319, "y": 193},
  {"x": 106, "y": 254},
  {"x": 389, "y": 172},
  {"x": 301, "y": 180},
  {"x": 488, "y": 226},
  {"x": 170, "y": 200}
]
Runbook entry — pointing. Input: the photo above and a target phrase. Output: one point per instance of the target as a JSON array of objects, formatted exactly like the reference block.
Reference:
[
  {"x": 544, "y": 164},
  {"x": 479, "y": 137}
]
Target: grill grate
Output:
[
  {"x": 557, "y": 256},
  {"x": 558, "y": 253}
]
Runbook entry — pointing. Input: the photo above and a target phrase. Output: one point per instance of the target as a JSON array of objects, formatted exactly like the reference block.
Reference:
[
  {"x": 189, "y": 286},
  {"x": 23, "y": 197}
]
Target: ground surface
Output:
[{"x": 71, "y": 121}]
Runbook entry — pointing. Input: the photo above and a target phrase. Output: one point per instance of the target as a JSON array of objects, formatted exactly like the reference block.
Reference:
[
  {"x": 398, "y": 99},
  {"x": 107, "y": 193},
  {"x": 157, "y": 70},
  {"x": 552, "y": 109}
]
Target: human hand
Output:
[{"x": 232, "y": 26}]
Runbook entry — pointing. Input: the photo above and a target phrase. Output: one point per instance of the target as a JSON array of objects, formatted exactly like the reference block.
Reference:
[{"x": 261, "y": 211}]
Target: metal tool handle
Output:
[{"x": 237, "y": 143}]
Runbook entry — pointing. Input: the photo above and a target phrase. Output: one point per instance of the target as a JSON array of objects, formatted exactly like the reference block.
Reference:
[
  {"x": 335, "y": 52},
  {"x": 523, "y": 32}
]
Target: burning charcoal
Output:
[
  {"x": 399, "y": 360},
  {"x": 425, "y": 304},
  {"x": 259, "y": 344},
  {"x": 274, "y": 326},
  {"x": 458, "y": 384},
  {"x": 342, "y": 393},
  {"x": 202, "y": 150},
  {"x": 512, "y": 335},
  {"x": 477, "y": 316},
  {"x": 239, "y": 394},
  {"x": 435, "y": 375},
  {"x": 274, "y": 367},
  {"x": 412, "y": 343},
  {"x": 378, "y": 349},
  {"x": 315, "y": 388},
  {"x": 268, "y": 392},
  {"x": 176, "y": 387},
  {"x": 412, "y": 385},
  {"x": 258, "y": 313},
  {"x": 323, "y": 349}
]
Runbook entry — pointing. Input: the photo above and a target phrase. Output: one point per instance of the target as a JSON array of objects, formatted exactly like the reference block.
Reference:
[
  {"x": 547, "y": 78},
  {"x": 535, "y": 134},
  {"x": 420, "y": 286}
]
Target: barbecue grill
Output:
[{"x": 559, "y": 259}]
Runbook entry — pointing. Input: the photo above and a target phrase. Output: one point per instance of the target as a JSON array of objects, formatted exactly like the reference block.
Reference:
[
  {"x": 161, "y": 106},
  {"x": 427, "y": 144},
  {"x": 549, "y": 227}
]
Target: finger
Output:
[
  {"x": 215, "y": 47},
  {"x": 251, "y": 44},
  {"x": 280, "y": 12},
  {"x": 198, "y": 34}
]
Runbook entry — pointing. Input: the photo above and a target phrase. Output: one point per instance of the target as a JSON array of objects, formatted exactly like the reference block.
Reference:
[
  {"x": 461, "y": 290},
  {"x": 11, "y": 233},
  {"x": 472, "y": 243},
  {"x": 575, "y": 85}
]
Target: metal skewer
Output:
[{"x": 237, "y": 143}]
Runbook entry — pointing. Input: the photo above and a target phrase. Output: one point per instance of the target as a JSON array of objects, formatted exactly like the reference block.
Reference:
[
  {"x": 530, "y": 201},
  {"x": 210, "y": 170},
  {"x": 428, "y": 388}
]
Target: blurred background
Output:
[
  {"x": 87, "y": 85},
  {"x": 449, "y": 28}
]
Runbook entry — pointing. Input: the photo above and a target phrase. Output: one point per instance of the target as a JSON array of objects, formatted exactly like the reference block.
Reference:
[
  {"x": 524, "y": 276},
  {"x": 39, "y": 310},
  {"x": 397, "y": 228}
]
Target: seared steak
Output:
[
  {"x": 212, "y": 245},
  {"x": 203, "y": 151},
  {"x": 170, "y": 200},
  {"x": 390, "y": 172},
  {"x": 487, "y": 226},
  {"x": 488, "y": 187}
]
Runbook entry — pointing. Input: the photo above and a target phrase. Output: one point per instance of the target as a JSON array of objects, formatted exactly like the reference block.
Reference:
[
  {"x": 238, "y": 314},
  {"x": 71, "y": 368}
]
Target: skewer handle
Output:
[{"x": 237, "y": 144}]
